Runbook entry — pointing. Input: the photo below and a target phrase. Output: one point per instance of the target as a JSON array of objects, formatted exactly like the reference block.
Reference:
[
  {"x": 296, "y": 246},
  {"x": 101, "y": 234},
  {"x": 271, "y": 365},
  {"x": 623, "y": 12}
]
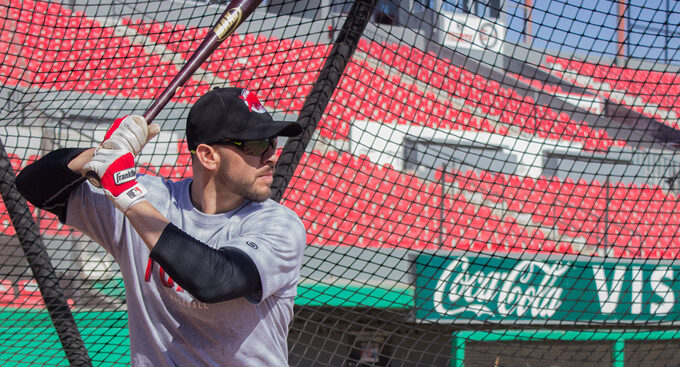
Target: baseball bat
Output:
[{"x": 236, "y": 13}]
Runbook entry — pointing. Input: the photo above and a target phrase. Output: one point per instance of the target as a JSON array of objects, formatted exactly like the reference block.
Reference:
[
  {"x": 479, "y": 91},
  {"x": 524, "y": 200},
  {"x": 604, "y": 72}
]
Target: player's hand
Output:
[
  {"x": 132, "y": 132},
  {"x": 115, "y": 166}
]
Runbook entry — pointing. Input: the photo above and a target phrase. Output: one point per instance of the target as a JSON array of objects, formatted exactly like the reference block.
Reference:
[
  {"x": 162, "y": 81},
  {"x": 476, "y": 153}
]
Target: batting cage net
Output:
[{"x": 482, "y": 182}]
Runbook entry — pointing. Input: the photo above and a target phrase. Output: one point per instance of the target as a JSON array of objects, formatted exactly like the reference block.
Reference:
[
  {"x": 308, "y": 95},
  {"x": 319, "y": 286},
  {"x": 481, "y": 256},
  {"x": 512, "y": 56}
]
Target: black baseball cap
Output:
[{"x": 233, "y": 113}]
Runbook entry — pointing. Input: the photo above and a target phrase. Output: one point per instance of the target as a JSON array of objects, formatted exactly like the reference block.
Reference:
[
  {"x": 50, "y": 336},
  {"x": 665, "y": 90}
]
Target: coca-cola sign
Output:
[{"x": 472, "y": 289}]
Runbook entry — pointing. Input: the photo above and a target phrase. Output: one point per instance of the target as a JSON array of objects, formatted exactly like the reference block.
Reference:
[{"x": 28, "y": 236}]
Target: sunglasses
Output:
[{"x": 251, "y": 147}]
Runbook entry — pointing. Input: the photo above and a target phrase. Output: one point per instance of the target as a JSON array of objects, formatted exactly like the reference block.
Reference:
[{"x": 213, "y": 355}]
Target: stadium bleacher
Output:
[
  {"x": 485, "y": 98},
  {"x": 375, "y": 88},
  {"x": 349, "y": 204},
  {"x": 344, "y": 199},
  {"x": 636, "y": 220},
  {"x": 281, "y": 70},
  {"x": 650, "y": 93},
  {"x": 83, "y": 56}
]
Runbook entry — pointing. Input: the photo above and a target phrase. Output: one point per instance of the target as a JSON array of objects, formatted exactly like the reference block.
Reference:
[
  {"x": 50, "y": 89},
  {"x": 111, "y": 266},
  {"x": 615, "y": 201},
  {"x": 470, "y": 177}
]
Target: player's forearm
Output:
[
  {"x": 76, "y": 164},
  {"x": 148, "y": 222}
]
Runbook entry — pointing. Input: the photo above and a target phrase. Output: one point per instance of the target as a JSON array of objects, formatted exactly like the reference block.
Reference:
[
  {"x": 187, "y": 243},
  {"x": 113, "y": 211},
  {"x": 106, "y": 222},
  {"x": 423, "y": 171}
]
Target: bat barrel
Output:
[{"x": 237, "y": 11}]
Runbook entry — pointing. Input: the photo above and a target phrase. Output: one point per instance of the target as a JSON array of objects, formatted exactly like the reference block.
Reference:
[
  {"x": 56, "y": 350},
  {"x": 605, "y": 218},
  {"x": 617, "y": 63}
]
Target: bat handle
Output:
[
  {"x": 160, "y": 102},
  {"x": 149, "y": 115}
]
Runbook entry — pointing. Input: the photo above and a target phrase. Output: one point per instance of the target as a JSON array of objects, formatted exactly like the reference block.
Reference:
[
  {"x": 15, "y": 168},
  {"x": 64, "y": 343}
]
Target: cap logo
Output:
[{"x": 252, "y": 102}]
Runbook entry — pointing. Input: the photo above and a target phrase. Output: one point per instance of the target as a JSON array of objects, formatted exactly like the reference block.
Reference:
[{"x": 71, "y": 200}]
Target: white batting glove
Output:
[
  {"x": 133, "y": 133},
  {"x": 115, "y": 166}
]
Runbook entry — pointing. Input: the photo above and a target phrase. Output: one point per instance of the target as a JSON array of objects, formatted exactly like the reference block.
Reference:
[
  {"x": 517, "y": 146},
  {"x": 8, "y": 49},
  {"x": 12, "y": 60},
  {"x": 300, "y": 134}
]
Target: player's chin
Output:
[
  {"x": 264, "y": 180},
  {"x": 260, "y": 192}
]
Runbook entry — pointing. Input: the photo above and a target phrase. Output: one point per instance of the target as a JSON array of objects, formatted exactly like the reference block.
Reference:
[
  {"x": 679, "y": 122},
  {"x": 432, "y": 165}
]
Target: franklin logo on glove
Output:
[
  {"x": 114, "y": 160},
  {"x": 125, "y": 176}
]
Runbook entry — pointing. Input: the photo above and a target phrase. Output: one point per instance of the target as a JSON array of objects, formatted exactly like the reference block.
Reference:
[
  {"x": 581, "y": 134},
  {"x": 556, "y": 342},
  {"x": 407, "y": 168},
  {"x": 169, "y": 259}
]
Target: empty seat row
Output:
[
  {"x": 657, "y": 88},
  {"x": 282, "y": 71},
  {"x": 88, "y": 57},
  {"x": 348, "y": 200},
  {"x": 590, "y": 210}
]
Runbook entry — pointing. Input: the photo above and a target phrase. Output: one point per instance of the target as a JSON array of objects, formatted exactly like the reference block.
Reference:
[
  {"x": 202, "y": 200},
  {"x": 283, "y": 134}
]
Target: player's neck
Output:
[{"x": 209, "y": 200}]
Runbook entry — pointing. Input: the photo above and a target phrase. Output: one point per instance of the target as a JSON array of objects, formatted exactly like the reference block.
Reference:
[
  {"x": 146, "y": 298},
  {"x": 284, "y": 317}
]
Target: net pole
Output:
[
  {"x": 621, "y": 32},
  {"x": 317, "y": 100},
  {"x": 45, "y": 275}
]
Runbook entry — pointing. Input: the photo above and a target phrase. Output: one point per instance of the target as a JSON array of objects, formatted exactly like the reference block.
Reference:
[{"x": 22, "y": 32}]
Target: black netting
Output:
[{"x": 482, "y": 182}]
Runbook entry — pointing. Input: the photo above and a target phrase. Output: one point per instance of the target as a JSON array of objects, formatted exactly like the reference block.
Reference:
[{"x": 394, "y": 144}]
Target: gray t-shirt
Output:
[{"x": 168, "y": 327}]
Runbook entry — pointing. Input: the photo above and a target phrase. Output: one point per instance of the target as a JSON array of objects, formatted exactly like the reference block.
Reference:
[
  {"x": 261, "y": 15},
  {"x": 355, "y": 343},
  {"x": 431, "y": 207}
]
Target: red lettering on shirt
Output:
[
  {"x": 164, "y": 278},
  {"x": 149, "y": 270}
]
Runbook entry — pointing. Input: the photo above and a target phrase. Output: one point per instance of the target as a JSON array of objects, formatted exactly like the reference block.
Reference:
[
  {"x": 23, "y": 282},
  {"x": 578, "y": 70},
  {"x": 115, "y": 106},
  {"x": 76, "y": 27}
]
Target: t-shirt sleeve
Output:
[
  {"x": 275, "y": 240},
  {"x": 91, "y": 212}
]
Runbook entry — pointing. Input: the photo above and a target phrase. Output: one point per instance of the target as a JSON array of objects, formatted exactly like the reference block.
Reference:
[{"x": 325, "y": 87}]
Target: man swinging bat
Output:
[{"x": 210, "y": 264}]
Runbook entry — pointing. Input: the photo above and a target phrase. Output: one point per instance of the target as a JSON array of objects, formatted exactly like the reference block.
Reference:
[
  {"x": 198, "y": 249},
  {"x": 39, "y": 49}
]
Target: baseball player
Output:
[{"x": 210, "y": 264}]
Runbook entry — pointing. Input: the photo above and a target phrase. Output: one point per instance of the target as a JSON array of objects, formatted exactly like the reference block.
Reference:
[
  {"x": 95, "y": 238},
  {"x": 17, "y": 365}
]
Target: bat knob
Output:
[{"x": 93, "y": 179}]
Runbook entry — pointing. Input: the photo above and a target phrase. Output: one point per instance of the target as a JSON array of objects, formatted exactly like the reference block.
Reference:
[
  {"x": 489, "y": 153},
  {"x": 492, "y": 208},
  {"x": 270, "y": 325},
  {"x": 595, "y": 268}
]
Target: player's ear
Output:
[{"x": 207, "y": 156}]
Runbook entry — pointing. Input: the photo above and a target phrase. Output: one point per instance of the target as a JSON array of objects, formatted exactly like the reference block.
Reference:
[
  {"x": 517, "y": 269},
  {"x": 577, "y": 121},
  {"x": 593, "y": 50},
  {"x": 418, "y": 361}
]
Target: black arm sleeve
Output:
[
  {"x": 47, "y": 182},
  {"x": 208, "y": 274}
]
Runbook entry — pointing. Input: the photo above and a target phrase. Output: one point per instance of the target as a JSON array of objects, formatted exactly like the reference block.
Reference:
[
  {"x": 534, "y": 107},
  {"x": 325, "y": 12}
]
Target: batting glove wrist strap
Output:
[{"x": 130, "y": 197}]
